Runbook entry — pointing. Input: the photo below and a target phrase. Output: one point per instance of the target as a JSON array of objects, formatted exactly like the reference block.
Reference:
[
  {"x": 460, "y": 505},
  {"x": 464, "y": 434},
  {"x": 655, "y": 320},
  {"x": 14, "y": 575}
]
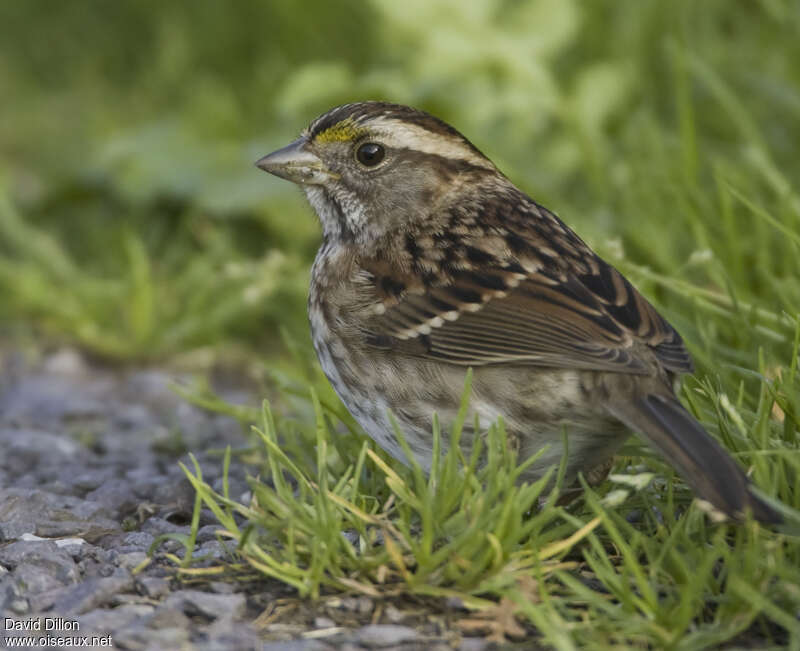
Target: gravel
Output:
[{"x": 90, "y": 477}]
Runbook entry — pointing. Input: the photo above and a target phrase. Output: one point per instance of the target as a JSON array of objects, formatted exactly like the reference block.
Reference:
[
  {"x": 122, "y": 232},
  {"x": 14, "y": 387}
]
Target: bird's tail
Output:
[{"x": 701, "y": 461}]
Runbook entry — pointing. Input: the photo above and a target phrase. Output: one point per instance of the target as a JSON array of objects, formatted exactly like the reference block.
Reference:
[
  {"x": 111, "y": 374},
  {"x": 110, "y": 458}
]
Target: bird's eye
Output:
[{"x": 370, "y": 154}]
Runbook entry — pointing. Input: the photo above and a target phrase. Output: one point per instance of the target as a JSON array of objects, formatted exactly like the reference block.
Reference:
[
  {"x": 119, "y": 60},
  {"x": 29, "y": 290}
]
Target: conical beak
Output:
[{"x": 296, "y": 164}]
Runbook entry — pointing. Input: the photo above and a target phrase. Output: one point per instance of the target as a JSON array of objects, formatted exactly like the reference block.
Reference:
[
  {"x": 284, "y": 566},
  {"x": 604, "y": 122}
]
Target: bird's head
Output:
[{"x": 369, "y": 168}]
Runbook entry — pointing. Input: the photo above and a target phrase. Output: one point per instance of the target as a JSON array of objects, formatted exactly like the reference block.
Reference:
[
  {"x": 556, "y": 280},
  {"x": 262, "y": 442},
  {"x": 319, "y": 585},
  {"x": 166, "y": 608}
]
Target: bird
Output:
[{"x": 433, "y": 262}]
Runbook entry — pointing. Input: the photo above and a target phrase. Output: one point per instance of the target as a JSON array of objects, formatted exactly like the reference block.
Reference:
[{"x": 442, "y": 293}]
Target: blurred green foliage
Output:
[{"x": 128, "y": 132}]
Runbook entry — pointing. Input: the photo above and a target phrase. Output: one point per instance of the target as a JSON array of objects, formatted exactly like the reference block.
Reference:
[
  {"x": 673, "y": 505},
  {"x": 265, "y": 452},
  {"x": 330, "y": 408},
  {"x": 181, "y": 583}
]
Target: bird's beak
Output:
[{"x": 297, "y": 164}]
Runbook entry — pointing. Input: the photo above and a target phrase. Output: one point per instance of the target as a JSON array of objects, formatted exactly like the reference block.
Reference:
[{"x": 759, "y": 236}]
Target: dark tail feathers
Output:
[{"x": 700, "y": 460}]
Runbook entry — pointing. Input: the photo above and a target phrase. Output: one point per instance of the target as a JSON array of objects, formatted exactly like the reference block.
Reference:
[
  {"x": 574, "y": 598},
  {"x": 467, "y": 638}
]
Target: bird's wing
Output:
[{"x": 557, "y": 305}]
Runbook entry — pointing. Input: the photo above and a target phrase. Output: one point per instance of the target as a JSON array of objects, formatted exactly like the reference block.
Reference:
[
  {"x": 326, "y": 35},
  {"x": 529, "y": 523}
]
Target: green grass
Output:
[
  {"x": 344, "y": 518},
  {"x": 133, "y": 224}
]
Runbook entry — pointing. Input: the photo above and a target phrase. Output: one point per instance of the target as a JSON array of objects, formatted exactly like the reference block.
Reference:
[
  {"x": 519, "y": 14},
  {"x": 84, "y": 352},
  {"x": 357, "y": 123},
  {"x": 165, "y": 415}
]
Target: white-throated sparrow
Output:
[{"x": 432, "y": 261}]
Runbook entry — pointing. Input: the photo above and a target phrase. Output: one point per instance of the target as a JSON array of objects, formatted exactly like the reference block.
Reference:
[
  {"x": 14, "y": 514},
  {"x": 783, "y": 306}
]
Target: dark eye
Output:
[{"x": 370, "y": 154}]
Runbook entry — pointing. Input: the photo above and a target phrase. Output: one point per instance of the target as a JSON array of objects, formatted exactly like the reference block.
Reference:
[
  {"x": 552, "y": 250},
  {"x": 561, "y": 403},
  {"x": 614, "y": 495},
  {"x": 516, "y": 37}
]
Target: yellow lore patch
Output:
[{"x": 343, "y": 131}]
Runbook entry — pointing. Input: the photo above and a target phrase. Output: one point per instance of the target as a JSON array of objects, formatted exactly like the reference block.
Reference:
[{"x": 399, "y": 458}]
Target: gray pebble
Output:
[
  {"x": 18, "y": 606},
  {"x": 37, "y": 579},
  {"x": 195, "y": 602},
  {"x": 208, "y": 532},
  {"x": 112, "y": 619},
  {"x": 223, "y": 587},
  {"x": 214, "y": 550},
  {"x": 49, "y": 515},
  {"x": 131, "y": 560},
  {"x": 154, "y": 587},
  {"x": 157, "y": 526},
  {"x": 93, "y": 593},
  {"x": 167, "y": 616},
  {"x": 43, "y": 563},
  {"x": 12, "y": 595},
  {"x": 115, "y": 495},
  {"x": 93, "y": 478},
  {"x": 383, "y": 635},
  {"x": 474, "y": 644},
  {"x": 136, "y": 541}
]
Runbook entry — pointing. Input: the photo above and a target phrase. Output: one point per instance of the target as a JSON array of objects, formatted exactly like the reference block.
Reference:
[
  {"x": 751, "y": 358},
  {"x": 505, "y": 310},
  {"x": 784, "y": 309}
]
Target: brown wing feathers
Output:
[{"x": 534, "y": 306}]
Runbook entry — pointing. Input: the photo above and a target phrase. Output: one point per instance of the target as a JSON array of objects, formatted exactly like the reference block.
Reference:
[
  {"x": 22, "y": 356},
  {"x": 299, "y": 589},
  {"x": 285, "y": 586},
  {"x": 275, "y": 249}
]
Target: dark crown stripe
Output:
[{"x": 361, "y": 112}]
